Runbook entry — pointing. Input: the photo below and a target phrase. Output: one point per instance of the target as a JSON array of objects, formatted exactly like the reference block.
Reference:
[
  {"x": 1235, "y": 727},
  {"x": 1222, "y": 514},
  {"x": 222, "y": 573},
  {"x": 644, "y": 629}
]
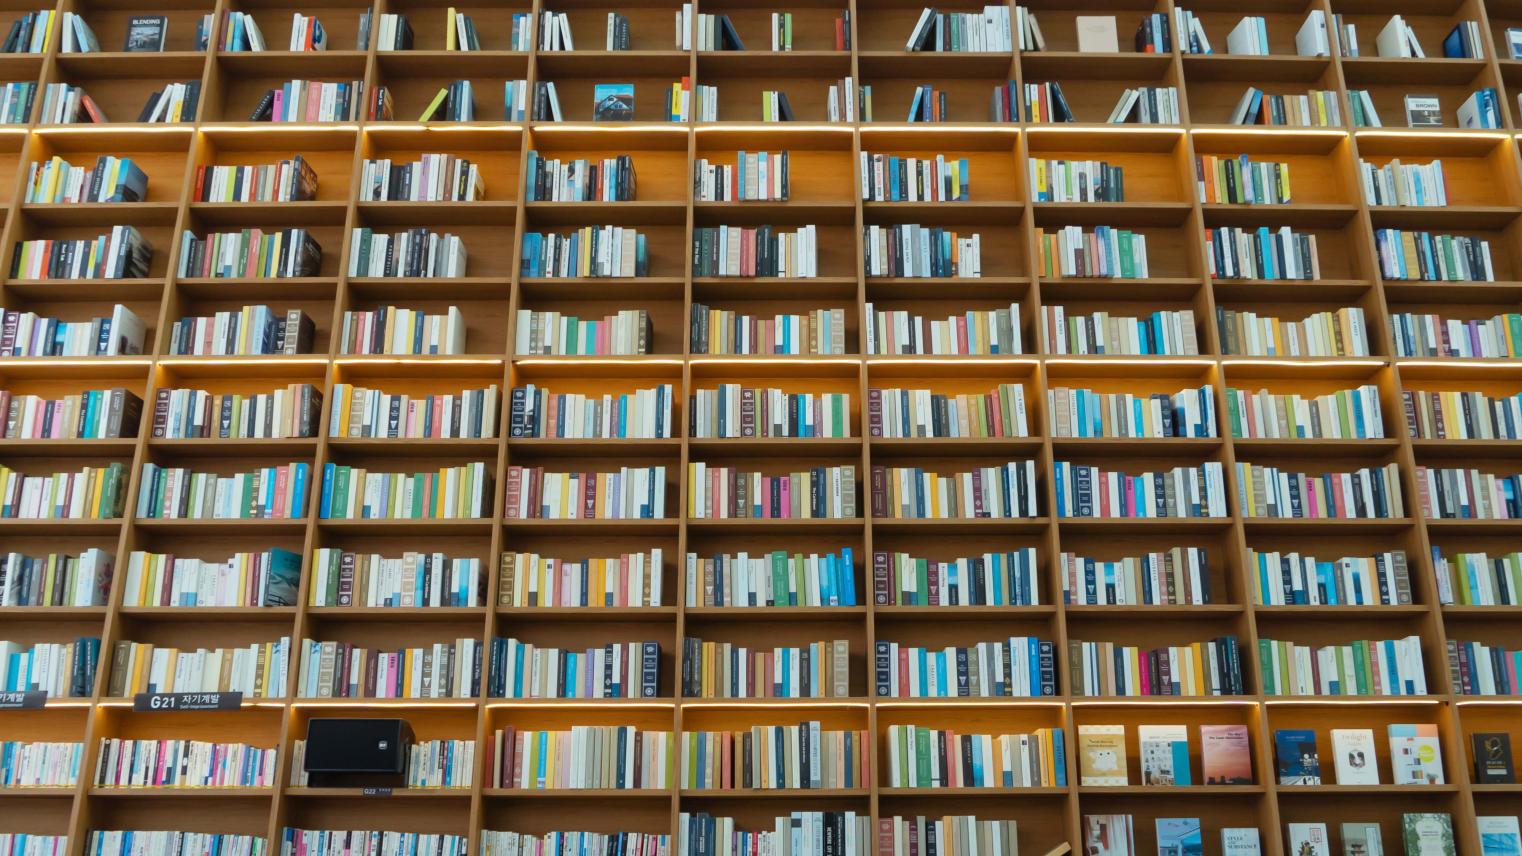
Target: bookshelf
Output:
[{"x": 1484, "y": 184}]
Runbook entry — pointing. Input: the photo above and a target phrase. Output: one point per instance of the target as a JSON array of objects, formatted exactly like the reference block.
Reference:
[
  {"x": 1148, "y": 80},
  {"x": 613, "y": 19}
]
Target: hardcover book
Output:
[
  {"x": 1295, "y": 752},
  {"x": 146, "y": 33},
  {"x": 1107, "y": 834},
  {"x": 1308, "y": 839},
  {"x": 1226, "y": 755},
  {"x": 1499, "y": 835},
  {"x": 1424, "y": 111},
  {"x": 1179, "y": 836},
  {"x": 1164, "y": 754},
  {"x": 613, "y": 102},
  {"x": 1416, "y": 757},
  {"x": 1361, "y": 839},
  {"x": 1353, "y": 755},
  {"x": 1492, "y": 758},
  {"x": 1428, "y": 833},
  {"x": 1102, "y": 755},
  {"x": 1240, "y": 841},
  {"x": 1096, "y": 34}
]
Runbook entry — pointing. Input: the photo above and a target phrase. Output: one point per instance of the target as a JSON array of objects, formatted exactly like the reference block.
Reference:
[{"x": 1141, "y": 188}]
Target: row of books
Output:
[
  {"x": 250, "y": 254},
  {"x": 950, "y": 835},
  {"x": 1317, "y": 108},
  {"x": 728, "y": 670},
  {"x": 257, "y": 670},
  {"x": 439, "y": 763},
  {"x": 1209, "y": 668},
  {"x": 912, "y": 250},
  {"x": 27, "y": 334},
  {"x": 1058, "y": 180},
  {"x": 1084, "y": 490},
  {"x": 399, "y": 331},
  {"x": 417, "y": 252},
  {"x": 616, "y": 670},
  {"x": 729, "y": 493},
  {"x": 342, "y": 670},
  {"x": 193, "y": 413},
  {"x": 1478, "y": 579},
  {"x": 1006, "y": 491},
  {"x": 1457, "y": 415},
  {"x": 901, "y": 413},
  {"x": 335, "y": 842},
  {"x": 122, "y": 253},
  {"x": 726, "y": 331},
  {"x": 1086, "y": 413},
  {"x": 735, "y": 411},
  {"x": 1339, "y": 333},
  {"x": 179, "y": 493},
  {"x": 890, "y": 178},
  {"x": 129, "y": 763},
  {"x": 1177, "y": 576},
  {"x": 268, "y": 578},
  {"x": 962, "y": 32},
  {"x": 1347, "y": 414},
  {"x": 921, "y": 757},
  {"x": 56, "y": 579},
  {"x": 291, "y": 180},
  {"x": 1295, "y": 579},
  {"x": 772, "y": 579},
  {"x": 362, "y": 412},
  {"x": 92, "y": 414},
  {"x": 430, "y": 178},
  {"x": 754, "y": 177},
  {"x": 775, "y": 757},
  {"x": 644, "y": 414},
  {"x": 112, "y": 179},
  {"x": 1168, "y": 332},
  {"x": 755, "y": 251},
  {"x": 1399, "y": 184},
  {"x": 797, "y": 833},
  {"x": 1361, "y": 668},
  {"x": 591, "y": 251},
  {"x": 39, "y": 765},
  {"x": 1363, "y": 494},
  {"x": 586, "y": 756},
  {"x": 580, "y": 179},
  {"x": 92, "y": 493},
  {"x": 1451, "y": 493},
  {"x": 117, "y": 842},
  {"x": 413, "y": 579},
  {"x": 1105, "y": 252},
  {"x": 1020, "y": 667},
  {"x": 1425, "y": 256},
  {"x": 1225, "y": 755},
  {"x": 899, "y": 331},
  {"x": 447, "y": 493},
  {"x": 545, "y": 333},
  {"x": 248, "y": 331},
  {"x": 1235, "y": 252},
  {"x": 631, "y": 493},
  {"x": 56, "y": 669},
  {"x": 991, "y": 579},
  {"x": 1426, "y": 334},
  {"x": 1240, "y": 181},
  {"x": 499, "y": 843},
  {"x": 528, "y": 580},
  {"x": 322, "y": 101},
  {"x": 1478, "y": 669}
]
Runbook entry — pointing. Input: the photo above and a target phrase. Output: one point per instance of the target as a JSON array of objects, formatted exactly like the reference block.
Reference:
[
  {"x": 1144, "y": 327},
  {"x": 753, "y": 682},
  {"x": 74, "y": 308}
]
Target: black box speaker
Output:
[{"x": 345, "y": 752}]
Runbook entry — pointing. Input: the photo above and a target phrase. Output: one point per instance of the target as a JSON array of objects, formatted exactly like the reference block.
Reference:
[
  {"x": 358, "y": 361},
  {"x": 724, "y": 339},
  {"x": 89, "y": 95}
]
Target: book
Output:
[
  {"x": 1428, "y": 833},
  {"x": 1102, "y": 756},
  {"x": 613, "y": 102},
  {"x": 1423, "y": 111},
  {"x": 1164, "y": 754},
  {"x": 1361, "y": 839},
  {"x": 1353, "y": 756},
  {"x": 1096, "y": 34},
  {"x": 1492, "y": 758},
  {"x": 146, "y": 33},
  {"x": 1240, "y": 841},
  {"x": 1108, "y": 835},
  {"x": 1179, "y": 836},
  {"x": 1308, "y": 839},
  {"x": 1416, "y": 755},
  {"x": 1311, "y": 39},
  {"x": 1499, "y": 836},
  {"x": 1296, "y": 756},
  {"x": 1225, "y": 755}
]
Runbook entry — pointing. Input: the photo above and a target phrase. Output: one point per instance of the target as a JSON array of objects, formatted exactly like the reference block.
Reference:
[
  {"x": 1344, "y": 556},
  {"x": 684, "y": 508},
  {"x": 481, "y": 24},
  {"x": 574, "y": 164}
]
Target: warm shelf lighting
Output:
[
  {"x": 943, "y": 360},
  {"x": 409, "y": 127},
  {"x": 244, "y": 361},
  {"x": 615, "y": 127},
  {"x": 811, "y": 127},
  {"x": 90, "y": 128},
  {"x": 1068, "y": 128},
  {"x": 1511, "y": 365},
  {"x": 1349, "y": 700},
  {"x": 362, "y": 360},
  {"x": 779, "y": 361},
  {"x": 1268, "y": 131},
  {"x": 97, "y": 362},
  {"x": 1443, "y": 134},
  {"x": 283, "y": 127},
  {"x": 1193, "y": 701},
  {"x": 747, "y": 704},
  {"x": 1138, "y": 361},
  {"x": 1307, "y": 363}
]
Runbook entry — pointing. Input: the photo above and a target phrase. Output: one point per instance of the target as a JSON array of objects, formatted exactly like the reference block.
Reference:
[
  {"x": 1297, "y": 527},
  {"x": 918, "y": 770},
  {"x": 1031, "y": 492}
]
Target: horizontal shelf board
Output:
[
  {"x": 1173, "y": 791},
  {"x": 589, "y": 614},
  {"x": 619, "y": 794},
  {"x": 775, "y": 613},
  {"x": 396, "y": 793},
  {"x": 397, "y": 613},
  {"x": 209, "y": 613},
  {"x": 194, "y": 792},
  {"x": 774, "y": 793},
  {"x": 928, "y": 793}
]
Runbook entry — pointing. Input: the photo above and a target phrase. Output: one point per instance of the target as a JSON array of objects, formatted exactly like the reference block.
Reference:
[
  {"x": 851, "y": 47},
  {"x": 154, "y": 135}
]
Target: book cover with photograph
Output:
[{"x": 613, "y": 102}]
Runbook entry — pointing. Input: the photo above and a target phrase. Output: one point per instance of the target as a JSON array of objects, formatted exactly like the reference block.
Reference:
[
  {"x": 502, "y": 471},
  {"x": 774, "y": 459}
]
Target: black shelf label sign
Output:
[
  {"x": 375, "y": 792},
  {"x": 30, "y": 700},
  {"x": 186, "y": 701}
]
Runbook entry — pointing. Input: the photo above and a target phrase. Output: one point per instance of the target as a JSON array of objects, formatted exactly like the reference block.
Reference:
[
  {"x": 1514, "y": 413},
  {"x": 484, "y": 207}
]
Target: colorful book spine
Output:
[
  {"x": 924, "y": 413},
  {"x": 644, "y": 414},
  {"x": 1431, "y": 335},
  {"x": 331, "y": 669},
  {"x": 990, "y": 579},
  {"x": 430, "y": 764},
  {"x": 1340, "y": 333},
  {"x": 257, "y": 670},
  {"x": 269, "y": 578},
  {"x": 1478, "y": 579},
  {"x": 321, "y": 101},
  {"x": 1057, "y": 180},
  {"x": 57, "y": 579},
  {"x": 312, "y": 841},
  {"x": 1085, "y": 490},
  {"x": 528, "y": 580},
  {"x": 1167, "y": 332},
  {"x": 760, "y": 251},
  {"x": 774, "y": 579},
  {"x": 250, "y": 254},
  {"x": 1347, "y": 414},
  {"x": 702, "y": 834},
  {"x": 1105, "y": 253},
  {"x": 55, "y": 669},
  {"x": 93, "y": 493},
  {"x": 1468, "y": 494},
  {"x": 775, "y": 757},
  {"x": 27, "y": 334},
  {"x": 414, "y": 254},
  {"x": 1434, "y": 258},
  {"x": 413, "y": 579},
  {"x": 1235, "y": 252},
  {"x": 291, "y": 180},
  {"x": 725, "y": 493},
  {"x": 1209, "y": 668},
  {"x": 360, "y": 412},
  {"x": 591, "y": 251},
  {"x": 121, "y": 253},
  {"x": 914, "y": 251},
  {"x": 1240, "y": 181},
  {"x": 453, "y": 493},
  {"x": 890, "y": 178},
  {"x": 26, "y": 843},
  {"x": 921, "y": 757},
  {"x": 975, "y": 332},
  {"x": 38, "y": 764},
  {"x": 396, "y": 331},
  {"x": 1295, "y": 579},
  {"x": 93, "y": 414},
  {"x": 1018, "y": 667},
  {"x": 1087, "y": 413},
  {"x": 615, "y": 670},
  {"x": 735, "y": 411},
  {"x": 1420, "y": 185},
  {"x": 727, "y": 670},
  {"x": 291, "y": 412},
  {"x": 625, "y": 333},
  {"x": 430, "y": 178},
  {"x": 1454, "y": 415},
  {"x": 1363, "y": 494},
  {"x": 126, "y": 842},
  {"x": 631, "y": 493},
  {"x": 502, "y": 843},
  {"x": 268, "y": 493},
  {"x": 911, "y": 836},
  {"x": 753, "y": 177},
  {"x": 1003, "y": 491},
  {"x": 1389, "y": 667},
  {"x": 632, "y": 759},
  {"x": 721, "y": 331},
  {"x": 112, "y": 179},
  {"x": 1178, "y": 576},
  {"x": 127, "y": 763},
  {"x": 1478, "y": 669},
  {"x": 248, "y": 331}
]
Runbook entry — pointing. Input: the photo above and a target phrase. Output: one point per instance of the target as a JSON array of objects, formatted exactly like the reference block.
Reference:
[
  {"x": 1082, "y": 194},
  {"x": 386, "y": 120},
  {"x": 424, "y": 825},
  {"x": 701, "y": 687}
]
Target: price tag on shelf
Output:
[
  {"x": 31, "y": 700},
  {"x": 186, "y": 701},
  {"x": 375, "y": 792}
]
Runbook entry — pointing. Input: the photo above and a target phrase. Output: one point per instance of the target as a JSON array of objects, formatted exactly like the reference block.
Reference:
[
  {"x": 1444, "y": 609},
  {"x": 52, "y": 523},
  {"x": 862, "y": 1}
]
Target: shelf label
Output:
[
  {"x": 186, "y": 701},
  {"x": 30, "y": 700},
  {"x": 375, "y": 792}
]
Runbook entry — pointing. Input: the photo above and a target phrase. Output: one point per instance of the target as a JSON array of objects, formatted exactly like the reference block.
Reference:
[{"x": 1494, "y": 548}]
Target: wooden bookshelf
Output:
[{"x": 1484, "y": 177}]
